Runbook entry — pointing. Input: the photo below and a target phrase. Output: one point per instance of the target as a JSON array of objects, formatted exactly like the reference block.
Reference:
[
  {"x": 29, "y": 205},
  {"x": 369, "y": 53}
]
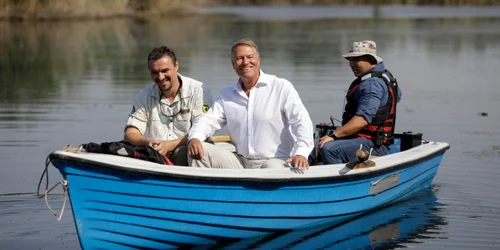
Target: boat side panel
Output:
[{"x": 159, "y": 211}]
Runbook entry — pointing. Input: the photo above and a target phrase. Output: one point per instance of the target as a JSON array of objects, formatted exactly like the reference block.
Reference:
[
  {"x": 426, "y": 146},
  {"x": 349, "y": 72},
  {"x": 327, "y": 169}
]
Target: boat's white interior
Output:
[{"x": 131, "y": 164}]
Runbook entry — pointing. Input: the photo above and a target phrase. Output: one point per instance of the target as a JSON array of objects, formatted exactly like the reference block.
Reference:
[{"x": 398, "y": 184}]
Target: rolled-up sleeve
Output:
[
  {"x": 139, "y": 115},
  {"x": 198, "y": 101},
  {"x": 207, "y": 96},
  {"x": 209, "y": 122}
]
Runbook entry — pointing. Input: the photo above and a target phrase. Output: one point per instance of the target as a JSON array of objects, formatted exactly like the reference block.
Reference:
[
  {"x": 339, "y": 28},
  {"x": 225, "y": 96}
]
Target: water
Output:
[{"x": 74, "y": 82}]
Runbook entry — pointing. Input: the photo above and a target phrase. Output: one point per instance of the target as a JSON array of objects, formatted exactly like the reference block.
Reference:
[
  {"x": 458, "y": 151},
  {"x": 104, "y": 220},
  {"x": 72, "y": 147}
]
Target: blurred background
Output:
[{"x": 70, "y": 70}]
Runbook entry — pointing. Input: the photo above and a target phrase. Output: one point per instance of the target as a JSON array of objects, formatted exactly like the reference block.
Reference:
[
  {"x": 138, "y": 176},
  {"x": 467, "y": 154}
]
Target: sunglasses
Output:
[{"x": 170, "y": 118}]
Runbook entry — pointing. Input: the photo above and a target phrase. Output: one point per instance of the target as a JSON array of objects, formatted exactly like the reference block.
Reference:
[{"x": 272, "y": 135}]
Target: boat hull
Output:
[{"x": 123, "y": 208}]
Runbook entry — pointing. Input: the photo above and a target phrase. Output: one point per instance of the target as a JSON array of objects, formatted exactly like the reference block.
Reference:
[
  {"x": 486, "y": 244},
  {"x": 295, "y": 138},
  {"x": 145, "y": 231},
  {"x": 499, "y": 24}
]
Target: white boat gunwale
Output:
[{"x": 252, "y": 175}]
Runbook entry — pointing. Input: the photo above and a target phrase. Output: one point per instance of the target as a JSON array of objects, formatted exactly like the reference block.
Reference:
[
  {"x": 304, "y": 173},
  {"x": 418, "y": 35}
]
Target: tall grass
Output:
[{"x": 78, "y": 9}]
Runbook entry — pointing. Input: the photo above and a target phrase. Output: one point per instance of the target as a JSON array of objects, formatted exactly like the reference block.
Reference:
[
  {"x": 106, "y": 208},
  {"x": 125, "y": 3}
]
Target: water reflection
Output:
[
  {"x": 409, "y": 221},
  {"x": 304, "y": 12},
  {"x": 27, "y": 224},
  {"x": 40, "y": 61},
  {"x": 41, "y": 58}
]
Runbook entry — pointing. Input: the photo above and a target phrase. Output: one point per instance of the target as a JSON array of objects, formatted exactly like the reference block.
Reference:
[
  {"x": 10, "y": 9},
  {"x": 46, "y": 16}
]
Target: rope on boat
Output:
[
  {"x": 45, "y": 194},
  {"x": 69, "y": 148}
]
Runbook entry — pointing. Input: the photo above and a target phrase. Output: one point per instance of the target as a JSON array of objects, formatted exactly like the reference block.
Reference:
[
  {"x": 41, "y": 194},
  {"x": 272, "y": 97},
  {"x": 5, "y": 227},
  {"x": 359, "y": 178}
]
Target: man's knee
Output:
[
  {"x": 331, "y": 153},
  {"x": 329, "y": 148},
  {"x": 204, "y": 161},
  {"x": 215, "y": 157}
]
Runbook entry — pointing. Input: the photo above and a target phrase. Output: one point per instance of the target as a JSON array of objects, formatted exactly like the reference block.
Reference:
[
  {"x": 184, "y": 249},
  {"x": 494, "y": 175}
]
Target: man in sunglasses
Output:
[{"x": 165, "y": 110}]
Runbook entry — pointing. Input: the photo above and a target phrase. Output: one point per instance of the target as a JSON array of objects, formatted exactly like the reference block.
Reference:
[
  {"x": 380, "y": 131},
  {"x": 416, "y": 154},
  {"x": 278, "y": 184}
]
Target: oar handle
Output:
[{"x": 221, "y": 138}]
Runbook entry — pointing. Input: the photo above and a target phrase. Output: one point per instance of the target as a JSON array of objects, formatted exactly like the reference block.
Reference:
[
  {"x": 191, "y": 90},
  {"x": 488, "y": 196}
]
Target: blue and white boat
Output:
[{"x": 125, "y": 203}]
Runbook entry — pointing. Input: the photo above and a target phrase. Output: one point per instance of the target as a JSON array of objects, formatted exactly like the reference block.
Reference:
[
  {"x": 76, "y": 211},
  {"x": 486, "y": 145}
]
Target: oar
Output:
[{"x": 221, "y": 138}]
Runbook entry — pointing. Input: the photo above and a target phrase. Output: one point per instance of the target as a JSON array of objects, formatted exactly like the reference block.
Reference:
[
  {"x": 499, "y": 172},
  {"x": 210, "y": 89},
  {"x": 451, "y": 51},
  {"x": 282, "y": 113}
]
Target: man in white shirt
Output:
[
  {"x": 266, "y": 119},
  {"x": 164, "y": 111}
]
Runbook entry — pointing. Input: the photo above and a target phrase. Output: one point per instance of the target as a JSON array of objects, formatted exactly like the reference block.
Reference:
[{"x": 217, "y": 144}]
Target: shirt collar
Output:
[
  {"x": 378, "y": 67},
  {"x": 263, "y": 80}
]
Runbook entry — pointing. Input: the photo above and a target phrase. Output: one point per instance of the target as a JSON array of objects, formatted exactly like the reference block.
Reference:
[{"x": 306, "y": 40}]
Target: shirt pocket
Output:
[
  {"x": 183, "y": 122},
  {"x": 158, "y": 128}
]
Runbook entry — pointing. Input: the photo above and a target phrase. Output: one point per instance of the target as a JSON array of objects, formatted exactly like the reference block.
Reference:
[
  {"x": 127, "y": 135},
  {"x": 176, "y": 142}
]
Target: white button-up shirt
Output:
[
  {"x": 157, "y": 118},
  {"x": 270, "y": 123}
]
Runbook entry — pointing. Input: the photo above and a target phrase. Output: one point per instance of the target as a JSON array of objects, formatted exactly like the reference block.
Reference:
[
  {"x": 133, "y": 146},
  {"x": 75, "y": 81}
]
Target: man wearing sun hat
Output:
[{"x": 370, "y": 111}]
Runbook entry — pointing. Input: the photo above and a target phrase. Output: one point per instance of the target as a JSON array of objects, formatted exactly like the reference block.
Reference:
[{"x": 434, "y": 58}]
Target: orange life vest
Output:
[{"x": 381, "y": 129}]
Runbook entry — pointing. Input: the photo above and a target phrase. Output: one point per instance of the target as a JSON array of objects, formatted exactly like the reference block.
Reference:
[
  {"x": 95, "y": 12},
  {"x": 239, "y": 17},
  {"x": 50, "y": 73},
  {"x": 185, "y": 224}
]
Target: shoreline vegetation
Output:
[{"x": 96, "y": 9}]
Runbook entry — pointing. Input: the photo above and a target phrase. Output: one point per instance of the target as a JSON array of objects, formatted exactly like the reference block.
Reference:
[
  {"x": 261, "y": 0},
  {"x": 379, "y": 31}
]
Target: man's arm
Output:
[
  {"x": 207, "y": 96},
  {"x": 301, "y": 125},
  {"x": 300, "y": 122},
  {"x": 370, "y": 93},
  {"x": 137, "y": 121},
  {"x": 352, "y": 127},
  {"x": 197, "y": 108},
  {"x": 370, "y": 99},
  {"x": 134, "y": 136},
  {"x": 168, "y": 146},
  {"x": 210, "y": 122}
]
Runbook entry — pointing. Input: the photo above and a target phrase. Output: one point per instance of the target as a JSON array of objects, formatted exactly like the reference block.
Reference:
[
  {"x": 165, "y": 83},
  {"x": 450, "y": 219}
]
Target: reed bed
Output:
[{"x": 92, "y": 9}]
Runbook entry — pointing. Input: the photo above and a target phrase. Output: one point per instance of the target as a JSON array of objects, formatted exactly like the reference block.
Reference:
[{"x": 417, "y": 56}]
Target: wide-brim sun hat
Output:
[{"x": 361, "y": 48}]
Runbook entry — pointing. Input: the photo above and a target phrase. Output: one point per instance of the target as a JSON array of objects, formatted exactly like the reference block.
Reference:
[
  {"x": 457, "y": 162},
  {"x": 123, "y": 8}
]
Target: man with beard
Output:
[
  {"x": 164, "y": 111},
  {"x": 370, "y": 112},
  {"x": 266, "y": 119}
]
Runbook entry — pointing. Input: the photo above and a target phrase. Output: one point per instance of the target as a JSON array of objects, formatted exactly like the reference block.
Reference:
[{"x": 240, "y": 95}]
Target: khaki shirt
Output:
[{"x": 156, "y": 118}]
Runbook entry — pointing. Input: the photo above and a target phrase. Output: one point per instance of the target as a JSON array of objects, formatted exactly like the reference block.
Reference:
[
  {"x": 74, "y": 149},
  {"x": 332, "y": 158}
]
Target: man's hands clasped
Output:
[{"x": 163, "y": 147}]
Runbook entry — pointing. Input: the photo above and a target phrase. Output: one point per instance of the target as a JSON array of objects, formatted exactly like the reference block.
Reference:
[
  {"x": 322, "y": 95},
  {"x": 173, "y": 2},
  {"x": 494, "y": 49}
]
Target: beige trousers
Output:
[{"x": 216, "y": 157}]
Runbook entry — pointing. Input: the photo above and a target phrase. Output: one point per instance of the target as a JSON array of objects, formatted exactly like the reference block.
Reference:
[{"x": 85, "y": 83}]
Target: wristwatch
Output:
[{"x": 332, "y": 134}]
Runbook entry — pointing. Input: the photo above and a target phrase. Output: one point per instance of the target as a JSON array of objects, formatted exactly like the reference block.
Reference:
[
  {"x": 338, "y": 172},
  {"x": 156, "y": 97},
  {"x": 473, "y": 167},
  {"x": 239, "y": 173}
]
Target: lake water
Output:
[{"x": 73, "y": 82}]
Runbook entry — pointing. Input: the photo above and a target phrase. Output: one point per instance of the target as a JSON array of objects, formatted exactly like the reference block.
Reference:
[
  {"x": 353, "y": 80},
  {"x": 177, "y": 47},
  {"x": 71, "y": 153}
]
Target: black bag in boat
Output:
[{"x": 125, "y": 148}]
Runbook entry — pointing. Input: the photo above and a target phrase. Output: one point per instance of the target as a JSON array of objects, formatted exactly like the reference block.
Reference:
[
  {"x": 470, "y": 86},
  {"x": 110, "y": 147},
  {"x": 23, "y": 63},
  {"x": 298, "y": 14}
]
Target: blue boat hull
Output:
[
  {"x": 380, "y": 228},
  {"x": 117, "y": 208}
]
